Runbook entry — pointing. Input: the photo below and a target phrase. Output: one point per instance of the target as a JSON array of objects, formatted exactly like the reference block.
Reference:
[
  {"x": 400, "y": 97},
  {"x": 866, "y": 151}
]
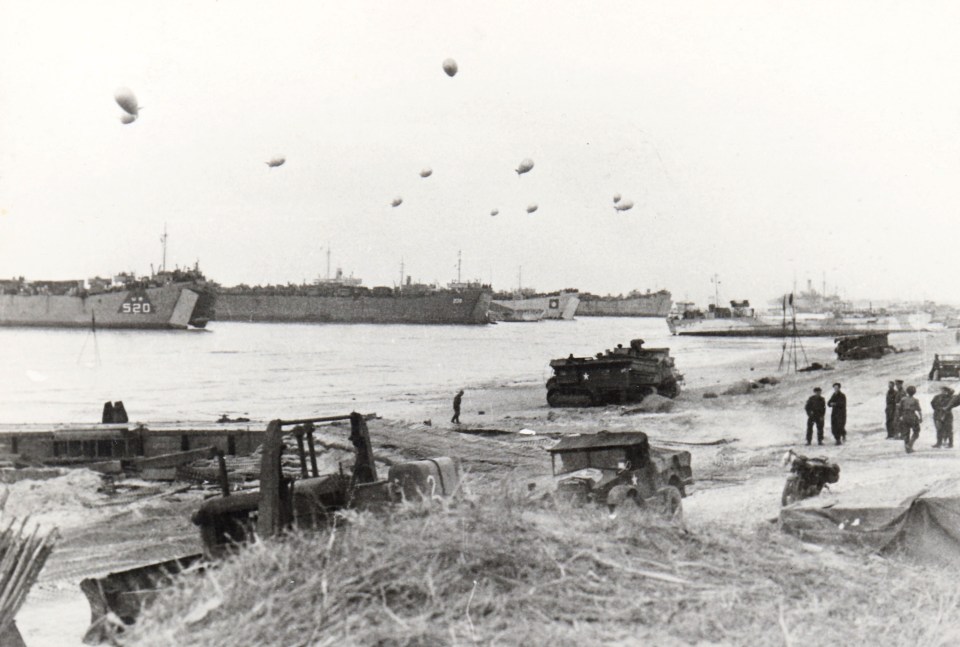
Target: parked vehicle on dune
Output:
[
  {"x": 618, "y": 376},
  {"x": 618, "y": 468},
  {"x": 870, "y": 346}
]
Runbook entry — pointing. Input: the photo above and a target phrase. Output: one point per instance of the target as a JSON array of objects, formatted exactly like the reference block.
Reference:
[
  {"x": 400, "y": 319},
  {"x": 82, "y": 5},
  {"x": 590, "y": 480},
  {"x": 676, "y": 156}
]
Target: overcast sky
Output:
[{"x": 762, "y": 141}]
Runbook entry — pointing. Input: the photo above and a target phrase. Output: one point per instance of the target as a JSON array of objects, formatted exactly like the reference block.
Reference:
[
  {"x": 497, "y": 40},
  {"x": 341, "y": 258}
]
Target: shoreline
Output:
[{"x": 737, "y": 482}]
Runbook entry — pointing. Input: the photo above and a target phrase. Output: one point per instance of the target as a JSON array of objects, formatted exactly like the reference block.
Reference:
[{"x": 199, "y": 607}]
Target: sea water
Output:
[{"x": 263, "y": 371}]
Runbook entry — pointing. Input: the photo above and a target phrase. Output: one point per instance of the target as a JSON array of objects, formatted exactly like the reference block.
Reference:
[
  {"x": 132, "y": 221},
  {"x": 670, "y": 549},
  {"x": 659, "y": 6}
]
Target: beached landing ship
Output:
[
  {"x": 166, "y": 300},
  {"x": 635, "y": 304},
  {"x": 618, "y": 376},
  {"x": 558, "y": 305},
  {"x": 344, "y": 300}
]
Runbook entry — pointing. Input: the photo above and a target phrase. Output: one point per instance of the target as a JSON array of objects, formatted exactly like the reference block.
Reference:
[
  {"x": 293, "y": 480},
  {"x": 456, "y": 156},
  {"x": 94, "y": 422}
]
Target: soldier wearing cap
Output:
[
  {"x": 943, "y": 416},
  {"x": 891, "y": 410},
  {"x": 838, "y": 414},
  {"x": 816, "y": 409}
]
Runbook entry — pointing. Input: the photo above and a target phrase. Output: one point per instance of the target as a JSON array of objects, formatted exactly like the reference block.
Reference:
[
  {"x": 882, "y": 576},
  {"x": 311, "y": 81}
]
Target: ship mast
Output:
[
  {"x": 715, "y": 279},
  {"x": 459, "y": 260},
  {"x": 401, "y": 272},
  {"x": 163, "y": 239}
]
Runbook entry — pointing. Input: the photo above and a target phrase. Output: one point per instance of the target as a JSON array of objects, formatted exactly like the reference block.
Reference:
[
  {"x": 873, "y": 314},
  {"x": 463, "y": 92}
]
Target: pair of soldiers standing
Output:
[{"x": 816, "y": 409}]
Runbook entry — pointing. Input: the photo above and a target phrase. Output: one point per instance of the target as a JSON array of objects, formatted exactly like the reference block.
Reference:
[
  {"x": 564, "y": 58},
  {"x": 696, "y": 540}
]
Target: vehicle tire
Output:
[
  {"x": 675, "y": 482},
  {"x": 553, "y": 398},
  {"x": 620, "y": 495},
  {"x": 791, "y": 491},
  {"x": 669, "y": 503}
]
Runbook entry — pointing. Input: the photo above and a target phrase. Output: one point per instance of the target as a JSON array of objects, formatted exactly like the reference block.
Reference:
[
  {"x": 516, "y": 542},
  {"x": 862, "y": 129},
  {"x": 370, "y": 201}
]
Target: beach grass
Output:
[{"x": 505, "y": 567}]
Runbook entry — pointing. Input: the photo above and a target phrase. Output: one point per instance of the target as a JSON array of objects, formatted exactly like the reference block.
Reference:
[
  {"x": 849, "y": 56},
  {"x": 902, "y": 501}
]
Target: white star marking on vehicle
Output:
[{"x": 586, "y": 376}]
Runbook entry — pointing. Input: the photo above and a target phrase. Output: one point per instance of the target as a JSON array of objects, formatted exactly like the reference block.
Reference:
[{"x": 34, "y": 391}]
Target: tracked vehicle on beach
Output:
[{"x": 618, "y": 376}]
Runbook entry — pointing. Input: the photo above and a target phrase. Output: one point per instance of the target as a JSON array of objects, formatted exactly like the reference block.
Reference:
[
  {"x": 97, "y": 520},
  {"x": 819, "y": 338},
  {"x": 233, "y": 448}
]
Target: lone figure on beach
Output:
[
  {"x": 816, "y": 409},
  {"x": 910, "y": 417},
  {"x": 456, "y": 407},
  {"x": 838, "y": 414}
]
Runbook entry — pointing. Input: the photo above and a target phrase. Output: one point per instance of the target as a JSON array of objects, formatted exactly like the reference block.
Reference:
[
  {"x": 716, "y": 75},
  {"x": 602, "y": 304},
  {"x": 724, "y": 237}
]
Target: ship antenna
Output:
[{"x": 459, "y": 259}]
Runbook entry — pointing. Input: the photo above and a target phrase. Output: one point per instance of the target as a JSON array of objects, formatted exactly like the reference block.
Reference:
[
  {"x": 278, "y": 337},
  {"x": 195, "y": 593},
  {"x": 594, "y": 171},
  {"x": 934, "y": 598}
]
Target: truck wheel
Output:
[
  {"x": 622, "y": 495},
  {"x": 553, "y": 397},
  {"x": 791, "y": 491},
  {"x": 669, "y": 503},
  {"x": 675, "y": 482}
]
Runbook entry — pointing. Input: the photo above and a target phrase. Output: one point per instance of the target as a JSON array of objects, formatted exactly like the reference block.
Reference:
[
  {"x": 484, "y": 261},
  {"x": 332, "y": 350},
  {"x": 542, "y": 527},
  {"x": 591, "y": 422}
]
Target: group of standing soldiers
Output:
[
  {"x": 904, "y": 415},
  {"x": 816, "y": 409}
]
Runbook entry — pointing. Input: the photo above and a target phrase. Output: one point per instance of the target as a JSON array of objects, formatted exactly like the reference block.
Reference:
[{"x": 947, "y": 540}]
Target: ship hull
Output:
[
  {"x": 561, "y": 306},
  {"x": 466, "y": 307},
  {"x": 755, "y": 327},
  {"x": 656, "y": 304},
  {"x": 166, "y": 307}
]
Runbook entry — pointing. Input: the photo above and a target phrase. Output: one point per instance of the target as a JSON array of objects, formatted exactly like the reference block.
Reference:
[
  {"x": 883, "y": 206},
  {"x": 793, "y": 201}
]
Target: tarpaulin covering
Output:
[{"x": 926, "y": 526}]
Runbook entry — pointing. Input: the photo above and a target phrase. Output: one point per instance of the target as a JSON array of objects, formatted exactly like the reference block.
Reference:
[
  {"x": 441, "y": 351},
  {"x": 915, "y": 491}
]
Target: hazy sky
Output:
[{"x": 763, "y": 141}]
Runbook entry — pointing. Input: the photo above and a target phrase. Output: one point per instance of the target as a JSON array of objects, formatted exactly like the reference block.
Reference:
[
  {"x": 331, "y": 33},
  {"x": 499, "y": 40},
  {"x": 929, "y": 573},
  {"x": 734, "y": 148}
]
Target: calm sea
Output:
[{"x": 270, "y": 370}]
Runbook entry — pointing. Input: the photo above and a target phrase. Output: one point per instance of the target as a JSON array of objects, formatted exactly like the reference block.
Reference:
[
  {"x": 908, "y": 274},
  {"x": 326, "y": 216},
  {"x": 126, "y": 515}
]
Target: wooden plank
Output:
[
  {"x": 173, "y": 459},
  {"x": 268, "y": 508}
]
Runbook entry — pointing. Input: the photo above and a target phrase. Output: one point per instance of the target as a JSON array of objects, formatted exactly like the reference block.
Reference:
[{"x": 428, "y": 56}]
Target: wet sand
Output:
[{"x": 738, "y": 482}]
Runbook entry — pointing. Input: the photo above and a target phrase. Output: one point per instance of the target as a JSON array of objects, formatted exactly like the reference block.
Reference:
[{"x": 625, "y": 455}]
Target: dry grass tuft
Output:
[{"x": 510, "y": 570}]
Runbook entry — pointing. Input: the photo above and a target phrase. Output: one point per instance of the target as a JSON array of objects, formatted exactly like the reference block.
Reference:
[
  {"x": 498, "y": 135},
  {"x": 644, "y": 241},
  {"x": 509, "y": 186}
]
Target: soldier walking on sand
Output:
[
  {"x": 943, "y": 416},
  {"x": 910, "y": 417},
  {"x": 456, "y": 407},
  {"x": 891, "y": 410},
  {"x": 901, "y": 394},
  {"x": 816, "y": 409},
  {"x": 838, "y": 414}
]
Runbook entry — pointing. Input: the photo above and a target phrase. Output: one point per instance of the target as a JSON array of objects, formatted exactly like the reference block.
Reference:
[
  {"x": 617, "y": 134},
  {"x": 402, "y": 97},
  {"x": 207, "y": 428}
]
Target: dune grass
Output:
[{"x": 506, "y": 569}]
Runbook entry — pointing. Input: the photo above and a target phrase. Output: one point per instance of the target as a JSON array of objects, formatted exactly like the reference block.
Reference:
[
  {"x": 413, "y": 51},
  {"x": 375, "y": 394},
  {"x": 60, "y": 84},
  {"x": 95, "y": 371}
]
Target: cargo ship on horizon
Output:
[
  {"x": 634, "y": 304},
  {"x": 741, "y": 320},
  {"x": 175, "y": 300}
]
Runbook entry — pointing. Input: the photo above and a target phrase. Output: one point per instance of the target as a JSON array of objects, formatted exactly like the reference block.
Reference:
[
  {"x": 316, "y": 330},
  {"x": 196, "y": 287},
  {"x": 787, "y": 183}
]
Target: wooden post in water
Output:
[{"x": 269, "y": 506}]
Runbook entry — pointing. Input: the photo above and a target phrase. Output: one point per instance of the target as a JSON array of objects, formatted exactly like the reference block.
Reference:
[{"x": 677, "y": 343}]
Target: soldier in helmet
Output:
[
  {"x": 910, "y": 417},
  {"x": 943, "y": 416}
]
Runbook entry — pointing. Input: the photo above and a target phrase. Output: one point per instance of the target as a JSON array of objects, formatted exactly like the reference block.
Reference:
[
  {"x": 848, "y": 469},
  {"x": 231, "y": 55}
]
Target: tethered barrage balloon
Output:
[
  {"x": 396, "y": 202},
  {"x": 450, "y": 67},
  {"x": 494, "y": 212},
  {"x": 127, "y": 119},
  {"x": 531, "y": 208},
  {"x": 276, "y": 161},
  {"x": 427, "y": 172},
  {"x": 126, "y": 100},
  {"x": 616, "y": 198},
  {"x": 625, "y": 205},
  {"x": 525, "y": 166}
]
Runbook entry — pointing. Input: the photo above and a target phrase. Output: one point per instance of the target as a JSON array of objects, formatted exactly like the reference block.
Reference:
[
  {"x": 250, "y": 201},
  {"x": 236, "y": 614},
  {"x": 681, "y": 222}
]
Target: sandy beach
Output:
[{"x": 736, "y": 441}]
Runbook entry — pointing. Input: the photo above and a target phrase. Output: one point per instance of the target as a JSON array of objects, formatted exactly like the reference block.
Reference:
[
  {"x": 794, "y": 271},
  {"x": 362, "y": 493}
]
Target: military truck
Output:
[
  {"x": 618, "y": 376},
  {"x": 869, "y": 346},
  {"x": 621, "y": 468}
]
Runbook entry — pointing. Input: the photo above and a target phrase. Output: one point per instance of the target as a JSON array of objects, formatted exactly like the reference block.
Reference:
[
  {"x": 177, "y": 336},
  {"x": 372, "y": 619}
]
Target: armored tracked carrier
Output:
[{"x": 618, "y": 376}]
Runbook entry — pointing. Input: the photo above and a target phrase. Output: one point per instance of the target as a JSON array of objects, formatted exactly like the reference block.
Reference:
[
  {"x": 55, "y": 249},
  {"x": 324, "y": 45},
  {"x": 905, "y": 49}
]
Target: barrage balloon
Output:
[
  {"x": 396, "y": 202},
  {"x": 276, "y": 161},
  {"x": 127, "y": 119},
  {"x": 426, "y": 172},
  {"x": 525, "y": 166},
  {"x": 616, "y": 198},
  {"x": 450, "y": 67},
  {"x": 494, "y": 212},
  {"x": 624, "y": 205},
  {"x": 531, "y": 207},
  {"x": 126, "y": 100}
]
